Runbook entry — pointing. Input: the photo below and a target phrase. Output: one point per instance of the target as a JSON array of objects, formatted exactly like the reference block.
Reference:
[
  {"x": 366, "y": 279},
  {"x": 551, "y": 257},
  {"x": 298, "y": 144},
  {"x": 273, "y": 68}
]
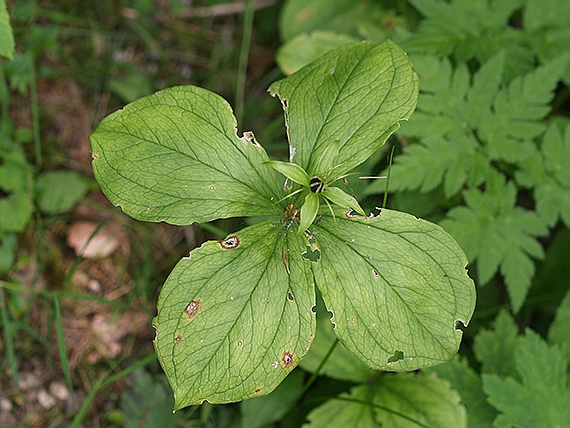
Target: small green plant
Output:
[
  {"x": 21, "y": 184},
  {"x": 236, "y": 316},
  {"x": 485, "y": 155}
]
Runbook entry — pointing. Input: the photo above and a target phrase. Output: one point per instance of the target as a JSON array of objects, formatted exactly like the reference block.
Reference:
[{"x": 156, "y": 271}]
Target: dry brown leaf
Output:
[{"x": 80, "y": 237}]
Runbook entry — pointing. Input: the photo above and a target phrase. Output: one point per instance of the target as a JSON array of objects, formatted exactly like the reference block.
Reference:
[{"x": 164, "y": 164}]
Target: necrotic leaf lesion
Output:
[{"x": 192, "y": 309}]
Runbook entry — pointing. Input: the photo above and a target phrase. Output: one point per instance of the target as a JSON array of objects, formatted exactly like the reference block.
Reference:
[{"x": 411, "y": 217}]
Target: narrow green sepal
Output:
[
  {"x": 337, "y": 196},
  {"x": 326, "y": 162},
  {"x": 291, "y": 171},
  {"x": 309, "y": 211}
]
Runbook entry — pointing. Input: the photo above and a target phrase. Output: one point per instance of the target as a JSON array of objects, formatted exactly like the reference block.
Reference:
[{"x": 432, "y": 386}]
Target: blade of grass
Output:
[
  {"x": 212, "y": 229},
  {"x": 388, "y": 178},
  {"x": 70, "y": 294},
  {"x": 7, "y": 327},
  {"x": 80, "y": 415},
  {"x": 243, "y": 59},
  {"x": 62, "y": 348},
  {"x": 105, "y": 381},
  {"x": 35, "y": 113}
]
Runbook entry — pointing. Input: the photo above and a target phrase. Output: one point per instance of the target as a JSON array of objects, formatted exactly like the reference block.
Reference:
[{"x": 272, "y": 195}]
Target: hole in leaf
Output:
[
  {"x": 460, "y": 325},
  {"x": 178, "y": 339},
  {"x": 290, "y": 296},
  {"x": 192, "y": 309},
  {"x": 230, "y": 243},
  {"x": 312, "y": 255},
  {"x": 397, "y": 356},
  {"x": 287, "y": 359},
  {"x": 375, "y": 273},
  {"x": 240, "y": 343}
]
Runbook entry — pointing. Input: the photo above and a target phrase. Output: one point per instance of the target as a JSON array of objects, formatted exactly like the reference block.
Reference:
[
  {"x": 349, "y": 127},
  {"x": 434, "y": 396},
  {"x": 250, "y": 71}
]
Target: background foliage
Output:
[{"x": 485, "y": 155}]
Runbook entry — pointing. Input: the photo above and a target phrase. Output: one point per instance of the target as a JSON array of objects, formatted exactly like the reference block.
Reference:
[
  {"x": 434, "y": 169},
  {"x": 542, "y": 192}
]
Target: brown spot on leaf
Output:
[
  {"x": 230, "y": 243},
  {"x": 257, "y": 390},
  {"x": 192, "y": 309},
  {"x": 287, "y": 359}
]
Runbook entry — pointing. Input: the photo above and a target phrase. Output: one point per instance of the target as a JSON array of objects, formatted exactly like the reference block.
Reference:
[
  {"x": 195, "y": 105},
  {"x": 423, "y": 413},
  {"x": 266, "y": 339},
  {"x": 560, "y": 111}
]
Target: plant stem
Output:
[
  {"x": 315, "y": 375},
  {"x": 35, "y": 113},
  {"x": 388, "y": 178},
  {"x": 243, "y": 59}
]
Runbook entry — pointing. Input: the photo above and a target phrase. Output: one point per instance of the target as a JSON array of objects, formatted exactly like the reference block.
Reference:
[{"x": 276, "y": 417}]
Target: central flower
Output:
[{"x": 315, "y": 187}]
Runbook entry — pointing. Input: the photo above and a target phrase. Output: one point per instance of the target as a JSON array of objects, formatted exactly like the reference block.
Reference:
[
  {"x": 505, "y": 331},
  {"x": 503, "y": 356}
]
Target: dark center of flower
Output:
[{"x": 316, "y": 185}]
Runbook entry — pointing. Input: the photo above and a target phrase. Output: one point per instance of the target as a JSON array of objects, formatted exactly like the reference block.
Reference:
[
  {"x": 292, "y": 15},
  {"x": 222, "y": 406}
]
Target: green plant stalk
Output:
[
  {"x": 3, "y": 98},
  {"x": 385, "y": 200},
  {"x": 35, "y": 115},
  {"x": 243, "y": 59},
  {"x": 316, "y": 373},
  {"x": 62, "y": 349},
  {"x": 208, "y": 227},
  {"x": 8, "y": 339},
  {"x": 103, "y": 382}
]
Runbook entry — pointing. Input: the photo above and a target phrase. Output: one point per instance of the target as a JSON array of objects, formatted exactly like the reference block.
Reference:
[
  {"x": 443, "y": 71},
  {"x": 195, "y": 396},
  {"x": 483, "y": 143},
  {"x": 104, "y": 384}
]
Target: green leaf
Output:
[
  {"x": 424, "y": 398},
  {"x": 547, "y": 172},
  {"x": 60, "y": 191},
  {"x": 480, "y": 30},
  {"x": 7, "y": 45},
  {"x": 541, "y": 398},
  {"x": 347, "y": 410},
  {"x": 547, "y": 28},
  {"x": 559, "y": 332},
  {"x": 495, "y": 349},
  {"x": 320, "y": 100},
  {"x": 449, "y": 113},
  {"x": 497, "y": 233},
  {"x": 232, "y": 321},
  {"x": 400, "y": 400},
  {"x": 291, "y": 171},
  {"x": 341, "y": 16},
  {"x": 8, "y": 246},
  {"x": 326, "y": 164},
  {"x": 261, "y": 411},
  {"x": 148, "y": 403},
  {"x": 342, "y": 199},
  {"x": 174, "y": 156},
  {"x": 309, "y": 211},
  {"x": 304, "y": 48},
  {"x": 397, "y": 288},
  {"x": 517, "y": 110},
  {"x": 17, "y": 209},
  {"x": 467, "y": 382},
  {"x": 341, "y": 364}
]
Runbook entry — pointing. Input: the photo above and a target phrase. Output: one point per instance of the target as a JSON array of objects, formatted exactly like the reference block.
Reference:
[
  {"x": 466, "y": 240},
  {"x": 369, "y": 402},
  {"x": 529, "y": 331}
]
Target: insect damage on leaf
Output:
[
  {"x": 312, "y": 254},
  {"x": 230, "y": 243},
  {"x": 397, "y": 356},
  {"x": 287, "y": 359}
]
